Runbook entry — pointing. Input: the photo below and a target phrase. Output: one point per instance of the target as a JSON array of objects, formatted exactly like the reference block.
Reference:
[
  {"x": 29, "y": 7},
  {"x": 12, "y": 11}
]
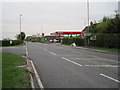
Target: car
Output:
[{"x": 51, "y": 41}]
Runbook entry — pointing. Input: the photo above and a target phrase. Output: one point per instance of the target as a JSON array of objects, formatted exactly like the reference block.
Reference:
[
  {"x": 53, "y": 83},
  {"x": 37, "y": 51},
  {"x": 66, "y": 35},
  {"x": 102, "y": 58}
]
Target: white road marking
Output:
[
  {"x": 37, "y": 76},
  {"x": 45, "y": 49},
  {"x": 32, "y": 84},
  {"x": 53, "y": 53},
  {"x": 101, "y": 66},
  {"x": 94, "y": 58},
  {"x": 26, "y": 50},
  {"x": 72, "y": 62},
  {"x": 100, "y": 58},
  {"x": 31, "y": 79},
  {"x": 109, "y": 77},
  {"x": 112, "y": 60}
]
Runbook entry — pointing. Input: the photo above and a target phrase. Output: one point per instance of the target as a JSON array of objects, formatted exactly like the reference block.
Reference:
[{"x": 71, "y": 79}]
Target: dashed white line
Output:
[
  {"x": 53, "y": 53},
  {"x": 72, "y": 62},
  {"x": 109, "y": 77},
  {"x": 37, "y": 76}
]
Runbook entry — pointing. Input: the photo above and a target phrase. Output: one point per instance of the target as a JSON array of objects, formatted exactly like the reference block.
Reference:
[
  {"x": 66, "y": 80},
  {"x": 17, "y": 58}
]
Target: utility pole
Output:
[
  {"x": 41, "y": 29},
  {"x": 88, "y": 17},
  {"x": 20, "y": 26}
]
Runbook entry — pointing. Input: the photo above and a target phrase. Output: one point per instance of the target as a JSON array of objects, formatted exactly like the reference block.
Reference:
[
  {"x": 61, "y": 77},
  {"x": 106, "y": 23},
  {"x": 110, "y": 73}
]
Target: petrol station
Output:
[{"x": 58, "y": 35}]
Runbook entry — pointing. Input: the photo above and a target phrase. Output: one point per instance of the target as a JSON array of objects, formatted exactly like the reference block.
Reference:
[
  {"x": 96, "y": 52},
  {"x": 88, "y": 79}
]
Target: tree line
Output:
[{"x": 106, "y": 26}]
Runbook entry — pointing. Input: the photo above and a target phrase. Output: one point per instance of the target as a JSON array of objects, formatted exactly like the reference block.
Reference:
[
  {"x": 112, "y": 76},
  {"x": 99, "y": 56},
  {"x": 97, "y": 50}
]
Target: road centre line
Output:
[
  {"x": 37, "y": 76},
  {"x": 53, "y": 53},
  {"x": 109, "y": 77},
  {"x": 72, "y": 61}
]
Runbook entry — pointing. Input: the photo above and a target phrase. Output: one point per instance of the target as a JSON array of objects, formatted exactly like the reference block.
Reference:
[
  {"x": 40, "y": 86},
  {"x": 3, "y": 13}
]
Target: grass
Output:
[
  {"x": 107, "y": 49},
  {"x": 12, "y": 76},
  {"x": 0, "y": 71}
]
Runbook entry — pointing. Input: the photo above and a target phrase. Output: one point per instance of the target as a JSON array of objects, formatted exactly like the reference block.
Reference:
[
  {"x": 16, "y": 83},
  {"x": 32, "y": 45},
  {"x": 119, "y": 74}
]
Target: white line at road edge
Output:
[
  {"x": 109, "y": 77},
  {"x": 26, "y": 50},
  {"x": 32, "y": 84},
  {"x": 31, "y": 78},
  {"x": 53, "y": 53},
  {"x": 37, "y": 76},
  {"x": 72, "y": 62}
]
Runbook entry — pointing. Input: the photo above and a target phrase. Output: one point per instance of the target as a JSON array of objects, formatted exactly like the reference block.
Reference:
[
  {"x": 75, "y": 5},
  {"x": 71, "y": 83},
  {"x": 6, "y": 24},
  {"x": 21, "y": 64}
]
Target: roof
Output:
[{"x": 67, "y": 32}]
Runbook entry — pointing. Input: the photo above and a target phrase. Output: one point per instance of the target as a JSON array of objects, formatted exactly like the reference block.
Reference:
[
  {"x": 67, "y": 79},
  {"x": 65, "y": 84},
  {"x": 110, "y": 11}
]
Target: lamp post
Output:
[
  {"x": 88, "y": 17},
  {"x": 20, "y": 26},
  {"x": 41, "y": 29}
]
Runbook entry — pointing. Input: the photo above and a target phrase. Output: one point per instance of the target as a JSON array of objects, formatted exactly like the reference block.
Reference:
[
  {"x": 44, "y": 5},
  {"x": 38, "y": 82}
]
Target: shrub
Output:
[
  {"x": 69, "y": 40},
  {"x": 106, "y": 40},
  {"x": 14, "y": 42}
]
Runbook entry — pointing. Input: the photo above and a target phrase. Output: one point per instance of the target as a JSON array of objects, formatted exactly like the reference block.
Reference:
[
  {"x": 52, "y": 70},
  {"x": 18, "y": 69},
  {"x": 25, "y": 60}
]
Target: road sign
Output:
[
  {"x": 93, "y": 38},
  {"x": 10, "y": 42},
  {"x": 87, "y": 34}
]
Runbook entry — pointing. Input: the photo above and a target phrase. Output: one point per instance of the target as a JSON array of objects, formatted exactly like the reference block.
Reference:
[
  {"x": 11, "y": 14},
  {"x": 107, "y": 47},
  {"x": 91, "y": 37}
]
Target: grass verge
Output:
[
  {"x": 0, "y": 71},
  {"x": 13, "y": 76},
  {"x": 106, "y": 49}
]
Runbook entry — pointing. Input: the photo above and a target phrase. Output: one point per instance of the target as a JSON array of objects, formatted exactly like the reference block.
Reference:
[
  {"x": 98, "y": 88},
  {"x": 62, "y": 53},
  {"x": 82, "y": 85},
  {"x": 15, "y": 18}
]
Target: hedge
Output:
[
  {"x": 102, "y": 40},
  {"x": 106, "y": 41},
  {"x": 14, "y": 42},
  {"x": 69, "y": 40}
]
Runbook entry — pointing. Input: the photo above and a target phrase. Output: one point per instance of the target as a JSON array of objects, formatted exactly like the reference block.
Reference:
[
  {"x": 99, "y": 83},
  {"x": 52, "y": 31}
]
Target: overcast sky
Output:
[{"x": 48, "y": 17}]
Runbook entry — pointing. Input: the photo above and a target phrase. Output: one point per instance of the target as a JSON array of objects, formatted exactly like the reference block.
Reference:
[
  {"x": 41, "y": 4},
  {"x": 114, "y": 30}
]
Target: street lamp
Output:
[
  {"x": 88, "y": 17},
  {"x": 20, "y": 25},
  {"x": 41, "y": 29}
]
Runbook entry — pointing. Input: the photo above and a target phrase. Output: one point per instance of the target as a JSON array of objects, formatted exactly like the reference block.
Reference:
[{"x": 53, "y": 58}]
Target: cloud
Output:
[{"x": 51, "y": 15}]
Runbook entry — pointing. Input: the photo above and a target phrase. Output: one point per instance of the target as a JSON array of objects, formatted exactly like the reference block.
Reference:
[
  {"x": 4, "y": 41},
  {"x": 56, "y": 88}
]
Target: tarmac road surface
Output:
[{"x": 67, "y": 67}]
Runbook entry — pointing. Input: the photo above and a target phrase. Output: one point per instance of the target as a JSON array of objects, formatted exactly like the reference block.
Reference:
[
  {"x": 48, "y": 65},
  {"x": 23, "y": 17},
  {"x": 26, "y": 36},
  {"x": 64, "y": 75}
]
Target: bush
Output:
[
  {"x": 14, "y": 42},
  {"x": 33, "y": 39},
  {"x": 69, "y": 40},
  {"x": 106, "y": 41}
]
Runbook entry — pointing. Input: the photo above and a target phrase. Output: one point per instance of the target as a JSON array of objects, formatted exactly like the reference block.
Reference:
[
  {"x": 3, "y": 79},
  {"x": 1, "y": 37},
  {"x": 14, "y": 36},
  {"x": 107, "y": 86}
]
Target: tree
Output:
[
  {"x": 29, "y": 38},
  {"x": 33, "y": 39},
  {"x": 106, "y": 26},
  {"x": 21, "y": 36},
  {"x": 92, "y": 28}
]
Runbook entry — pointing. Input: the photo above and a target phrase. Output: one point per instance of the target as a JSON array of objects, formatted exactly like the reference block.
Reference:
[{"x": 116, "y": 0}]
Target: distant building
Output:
[
  {"x": 85, "y": 30},
  {"x": 119, "y": 7},
  {"x": 58, "y": 35}
]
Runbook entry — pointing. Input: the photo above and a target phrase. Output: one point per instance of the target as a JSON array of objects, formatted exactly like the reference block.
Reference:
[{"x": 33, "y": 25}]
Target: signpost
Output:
[
  {"x": 10, "y": 42},
  {"x": 93, "y": 38},
  {"x": 87, "y": 34}
]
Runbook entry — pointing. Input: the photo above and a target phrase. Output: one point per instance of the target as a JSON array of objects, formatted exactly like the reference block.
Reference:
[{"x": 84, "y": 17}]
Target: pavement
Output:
[{"x": 62, "y": 66}]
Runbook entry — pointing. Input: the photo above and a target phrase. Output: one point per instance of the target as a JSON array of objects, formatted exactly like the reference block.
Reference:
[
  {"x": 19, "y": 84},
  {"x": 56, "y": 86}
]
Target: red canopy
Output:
[{"x": 68, "y": 32}]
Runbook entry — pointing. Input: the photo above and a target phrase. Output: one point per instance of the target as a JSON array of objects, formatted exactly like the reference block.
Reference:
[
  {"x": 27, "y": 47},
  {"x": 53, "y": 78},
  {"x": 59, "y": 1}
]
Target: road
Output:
[{"x": 68, "y": 67}]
